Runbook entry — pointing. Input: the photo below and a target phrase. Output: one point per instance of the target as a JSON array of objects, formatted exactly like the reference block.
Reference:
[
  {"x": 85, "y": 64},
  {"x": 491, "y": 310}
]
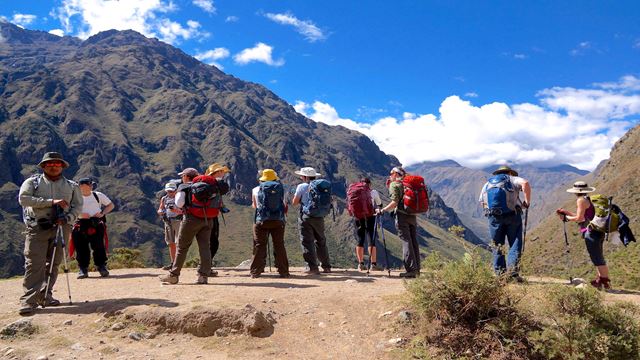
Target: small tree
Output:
[{"x": 457, "y": 230}]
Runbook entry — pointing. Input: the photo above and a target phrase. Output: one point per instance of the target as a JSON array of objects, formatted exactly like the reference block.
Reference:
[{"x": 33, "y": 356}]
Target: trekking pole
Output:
[
  {"x": 59, "y": 237},
  {"x": 606, "y": 236},
  {"x": 524, "y": 235},
  {"x": 64, "y": 256},
  {"x": 566, "y": 243},
  {"x": 269, "y": 254},
  {"x": 384, "y": 244}
]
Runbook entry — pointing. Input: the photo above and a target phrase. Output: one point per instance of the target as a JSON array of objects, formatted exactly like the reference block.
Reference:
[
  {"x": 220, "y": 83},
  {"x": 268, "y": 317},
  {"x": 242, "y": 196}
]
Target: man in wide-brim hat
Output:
[{"x": 49, "y": 201}]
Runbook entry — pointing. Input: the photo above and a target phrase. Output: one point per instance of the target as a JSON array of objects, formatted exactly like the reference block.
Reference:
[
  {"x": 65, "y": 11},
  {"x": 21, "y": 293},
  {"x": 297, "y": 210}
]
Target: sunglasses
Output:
[{"x": 53, "y": 163}]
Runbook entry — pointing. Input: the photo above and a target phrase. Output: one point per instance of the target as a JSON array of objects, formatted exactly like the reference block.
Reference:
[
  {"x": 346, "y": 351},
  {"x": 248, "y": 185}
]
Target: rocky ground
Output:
[{"x": 130, "y": 315}]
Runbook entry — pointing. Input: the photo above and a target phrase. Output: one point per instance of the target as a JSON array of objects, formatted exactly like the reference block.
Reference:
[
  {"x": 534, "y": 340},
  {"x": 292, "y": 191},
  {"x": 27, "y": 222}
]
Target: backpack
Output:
[
  {"x": 203, "y": 197},
  {"x": 415, "y": 198},
  {"x": 270, "y": 202},
  {"x": 319, "y": 204},
  {"x": 359, "y": 201},
  {"x": 202, "y": 191},
  {"x": 501, "y": 195},
  {"x": 606, "y": 219}
]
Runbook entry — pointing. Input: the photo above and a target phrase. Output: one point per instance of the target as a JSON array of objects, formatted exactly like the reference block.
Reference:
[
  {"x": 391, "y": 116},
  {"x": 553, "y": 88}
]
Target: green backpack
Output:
[{"x": 605, "y": 219}]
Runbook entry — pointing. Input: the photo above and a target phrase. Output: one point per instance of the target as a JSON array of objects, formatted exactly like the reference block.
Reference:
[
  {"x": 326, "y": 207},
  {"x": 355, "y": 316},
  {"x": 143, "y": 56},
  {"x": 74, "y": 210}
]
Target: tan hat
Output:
[
  {"x": 53, "y": 156},
  {"x": 308, "y": 172},
  {"x": 215, "y": 167},
  {"x": 504, "y": 169},
  {"x": 581, "y": 187},
  {"x": 269, "y": 175},
  {"x": 190, "y": 172}
]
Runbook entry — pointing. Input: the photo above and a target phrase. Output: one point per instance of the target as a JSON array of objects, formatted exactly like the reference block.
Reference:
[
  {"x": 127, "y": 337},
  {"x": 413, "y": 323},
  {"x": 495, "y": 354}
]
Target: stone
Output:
[
  {"x": 135, "y": 336},
  {"x": 68, "y": 322},
  {"x": 42, "y": 357},
  {"x": 9, "y": 352},
  {"x": 395, "y": 341},
  {"x": 581, "y": 286},
  {"x": 351, "y": 281},
  {"x": 20, "y": 327},
  {"x": 404, "y": 316},
  {"x": 244, "y": 265},
  {"x": 322, "y": 325},
  {"x": 77, "y": 347},
  {"x": 578, "y": 281},
  {"x": 385, "y": 314},
  {"x": 118, "y": 326}
]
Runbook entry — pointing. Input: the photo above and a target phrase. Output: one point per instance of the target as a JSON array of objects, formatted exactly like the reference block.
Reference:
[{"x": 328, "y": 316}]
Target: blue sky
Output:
[{"x": 479, "y": 82}]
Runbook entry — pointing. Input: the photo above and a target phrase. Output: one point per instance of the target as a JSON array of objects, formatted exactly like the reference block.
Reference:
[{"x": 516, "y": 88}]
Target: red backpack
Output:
[
  {"x": 359, "y": 202},
  {"x": 415, "y": 199},
  {"x": 203, "y": 198}
]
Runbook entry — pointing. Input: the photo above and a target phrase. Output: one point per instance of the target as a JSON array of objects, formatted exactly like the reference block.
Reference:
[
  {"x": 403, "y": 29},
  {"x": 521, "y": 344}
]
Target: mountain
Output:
[
  {"x": 618, "y": 177},
  {"x": 460, "y": 188},
  {"x": 131, "y": 112}
]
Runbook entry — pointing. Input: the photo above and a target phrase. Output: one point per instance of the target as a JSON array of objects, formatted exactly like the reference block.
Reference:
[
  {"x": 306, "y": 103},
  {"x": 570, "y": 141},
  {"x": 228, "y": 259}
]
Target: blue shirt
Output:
[{"x": 302, "y": 191}]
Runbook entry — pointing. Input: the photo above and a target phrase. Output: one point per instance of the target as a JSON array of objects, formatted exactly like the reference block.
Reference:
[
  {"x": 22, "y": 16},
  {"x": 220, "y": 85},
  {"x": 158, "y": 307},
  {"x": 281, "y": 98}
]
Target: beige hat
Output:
[
  {"x": 308, "y": 172},
  {"x": 215, "y": 167},
  {"x": 581, "y": 187}
]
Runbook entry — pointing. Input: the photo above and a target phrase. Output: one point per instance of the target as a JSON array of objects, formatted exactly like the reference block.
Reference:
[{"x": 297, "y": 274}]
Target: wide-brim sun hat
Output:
[
  {"x": 215, "y": 167},
  {"x": 308, "y": 172},
  {"x": 504, "y": 169},
  {"x": 53, "y": 156},
  {"x": 269, "y": 175},
  {"x": 581, "y": 187}
]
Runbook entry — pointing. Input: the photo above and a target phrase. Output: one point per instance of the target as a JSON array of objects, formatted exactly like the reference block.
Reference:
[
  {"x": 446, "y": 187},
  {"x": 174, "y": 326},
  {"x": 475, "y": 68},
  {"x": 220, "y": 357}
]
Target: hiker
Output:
[
  {"x": 171, "y": 217},
  {"x": 49, "y": 201},
  {"x": 268, "y": 200},
  {"x": 218, "y": 171},
  {"x": 88, "y": 233},
  {"x": 362, "y": 201},
  {"x": 314, "y": 198},
  {"x": 199, "y": 199},
  {"x": 500, "y": 198},
  {"x": 593, "y": 239},
  {"x": 405, "y": 222}
]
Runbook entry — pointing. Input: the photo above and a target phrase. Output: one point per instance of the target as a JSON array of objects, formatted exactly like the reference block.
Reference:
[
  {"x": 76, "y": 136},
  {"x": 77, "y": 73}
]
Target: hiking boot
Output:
[
  {"x": 286, "y": 275},
  {"x": 409, "y": 274},
  {"x": 50, "y": 301},
  {"x": 375, "y": 267},
  {"x": 202, "y": 280},
  {"x": 606, "y": 283},
  {"x": 255, "y": 276},
  {"x": 83, "y": 274},
  {"x": 27, "y": 309},
  {"x": 213, "y": 273},
  {"x": 103, "y": 271},
  {"x": 312, "y": 272},
  {"x": 361, "y": 267},
  {"x": 326, "y": 270},
  {"x": 601, "y": 283},
  {"x": 517, "y": 278},
  {"x": 169, "y": 279},
  {"x": 167, "y": 267}
]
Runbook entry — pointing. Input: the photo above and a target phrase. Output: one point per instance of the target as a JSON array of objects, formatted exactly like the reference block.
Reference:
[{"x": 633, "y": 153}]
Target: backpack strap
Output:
[{"x": 95, "y": 196}]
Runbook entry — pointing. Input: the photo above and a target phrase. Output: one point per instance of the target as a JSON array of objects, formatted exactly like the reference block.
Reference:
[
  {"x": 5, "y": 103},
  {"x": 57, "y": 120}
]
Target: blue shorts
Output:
[{"x": 594, "y": 241}]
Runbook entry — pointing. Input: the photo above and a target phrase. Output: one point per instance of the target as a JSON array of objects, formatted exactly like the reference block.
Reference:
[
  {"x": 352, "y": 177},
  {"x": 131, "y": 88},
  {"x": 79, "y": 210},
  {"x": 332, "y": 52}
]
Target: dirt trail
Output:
[{"x": 333, "y": 316}]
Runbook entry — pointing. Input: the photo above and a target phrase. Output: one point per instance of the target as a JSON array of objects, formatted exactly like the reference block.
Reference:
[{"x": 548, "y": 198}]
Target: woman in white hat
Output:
[
  {"x": 171, "y": 216},
  {"x": 593, "y": 239}
]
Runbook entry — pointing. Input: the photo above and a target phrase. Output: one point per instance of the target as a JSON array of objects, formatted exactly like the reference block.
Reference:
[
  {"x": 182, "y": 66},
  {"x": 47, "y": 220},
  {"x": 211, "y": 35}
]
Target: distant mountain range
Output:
[{"x": 132, "y": 111}]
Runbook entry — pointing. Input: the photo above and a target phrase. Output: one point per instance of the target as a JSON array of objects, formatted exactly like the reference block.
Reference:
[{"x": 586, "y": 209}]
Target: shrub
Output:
[{"x": 125, "y": 258}]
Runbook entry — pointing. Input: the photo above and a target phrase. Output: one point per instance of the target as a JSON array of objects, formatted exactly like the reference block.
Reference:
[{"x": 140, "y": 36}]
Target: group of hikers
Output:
[{"x": 58, "y": 211}]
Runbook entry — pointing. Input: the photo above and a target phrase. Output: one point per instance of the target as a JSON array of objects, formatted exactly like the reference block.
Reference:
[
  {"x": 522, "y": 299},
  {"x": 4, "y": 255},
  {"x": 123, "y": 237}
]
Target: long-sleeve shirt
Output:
[{"x": 38, "y": 203}]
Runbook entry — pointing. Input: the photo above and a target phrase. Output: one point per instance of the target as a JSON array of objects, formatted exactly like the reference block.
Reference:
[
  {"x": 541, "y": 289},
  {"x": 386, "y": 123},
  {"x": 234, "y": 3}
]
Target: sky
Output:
[{"x": 479, "y": 82}]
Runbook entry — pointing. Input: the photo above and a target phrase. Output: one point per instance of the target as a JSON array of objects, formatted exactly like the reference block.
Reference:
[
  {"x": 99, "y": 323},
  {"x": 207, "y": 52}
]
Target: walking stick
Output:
[
  {"x": 524, "y": 235},
  {"x": 606, "y": 236},
  {"x": 59, "y": 237},
  {"x": 384, "y": 243},
  {"x": 566, "y": 243},
  {"x": 269, "y": 254}
]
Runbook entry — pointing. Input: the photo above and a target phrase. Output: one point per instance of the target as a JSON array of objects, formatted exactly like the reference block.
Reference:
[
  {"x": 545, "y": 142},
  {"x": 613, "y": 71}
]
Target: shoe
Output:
[
  {"x": 606, "y": 283},
  {"x": 361, "y": 267},
  {"x": 213, "y": 273},
  {"x": 312, "y": 272},
  {"x": 326, "y": 270},
  {"x": 52, "y": 302},
  {"x": 83, "y": 274},
  {"x": 167, "y": 267},
  {"x": 601, "y": 283},
  {"x": 409, "y": 274},
  {"x": 517, "y": 278},
  {"x": 169, "y": 279},
  {"x": 284, "y": 276},
  {"x": 255, "y": 276},
  {"x": 103, "y": 271},
  {"x": 27, "y": 309},
  {"x": 375, "y": 267},
  {"x": 202, "y": 280}
]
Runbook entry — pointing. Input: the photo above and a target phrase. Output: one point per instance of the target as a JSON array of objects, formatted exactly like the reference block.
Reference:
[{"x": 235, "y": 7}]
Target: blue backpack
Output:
[
  {"x": 270, "y": 202},
  {"x": 319, "y": 204},
  {"x": 501, "y": 196}
]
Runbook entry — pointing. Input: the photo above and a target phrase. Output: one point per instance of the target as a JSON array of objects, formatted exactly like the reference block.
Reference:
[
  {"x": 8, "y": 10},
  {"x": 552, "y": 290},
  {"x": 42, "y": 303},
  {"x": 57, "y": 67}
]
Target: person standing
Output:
[
  {"x": 406, "y": 224},
  {"x": 362, "y": 201},
  {"x": 49, "y": 201},
  {"x": 268, "y": 200},
  {"x": 500, "y": 197},
  {"x": 171, "y": 217},
  {"x": 311, "y": 222},
  {"x": 218, "y": 171},
  {"x": 89, "y": 230}
]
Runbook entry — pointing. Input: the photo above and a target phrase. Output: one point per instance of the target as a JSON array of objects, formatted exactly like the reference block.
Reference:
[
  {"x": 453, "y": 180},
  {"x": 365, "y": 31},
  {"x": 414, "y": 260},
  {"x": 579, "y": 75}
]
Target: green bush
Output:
[
  {"x": 125, "y": 258},
  {"x": 582, "y": 326}
]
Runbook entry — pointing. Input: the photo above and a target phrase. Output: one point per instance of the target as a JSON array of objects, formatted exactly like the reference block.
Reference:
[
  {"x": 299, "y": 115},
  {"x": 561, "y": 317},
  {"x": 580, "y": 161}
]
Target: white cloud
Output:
[
  {"x": 520, "y": 56},
  {"x": 261, "y": 52},
  {"x": 88, "y": 17},
  {"x": 582, "y": 48},
  {"x": 307, "y": 28},
  {"x": 211, "y": 57},
  {"x": 231, "y": 18},
  {"x": 23, "y": 19},
  {"x": 575, "y": 126},
  {"x": 471, "y": 94},
  {"x": 206, "y": 5},
  {"x": 57, "y": 32}
]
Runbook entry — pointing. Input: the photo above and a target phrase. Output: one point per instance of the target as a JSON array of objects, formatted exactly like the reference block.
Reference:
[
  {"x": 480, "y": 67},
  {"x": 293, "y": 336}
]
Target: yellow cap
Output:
[{"x": 268, "y": 175}]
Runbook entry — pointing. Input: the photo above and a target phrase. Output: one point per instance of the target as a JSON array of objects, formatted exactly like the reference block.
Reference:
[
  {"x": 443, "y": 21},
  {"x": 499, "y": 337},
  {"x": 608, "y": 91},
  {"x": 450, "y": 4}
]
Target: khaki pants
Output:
[
  {"x": 38, "y": 251},
  {"x": 190, "y": 227},
  {"x": 261, "y": 233}
]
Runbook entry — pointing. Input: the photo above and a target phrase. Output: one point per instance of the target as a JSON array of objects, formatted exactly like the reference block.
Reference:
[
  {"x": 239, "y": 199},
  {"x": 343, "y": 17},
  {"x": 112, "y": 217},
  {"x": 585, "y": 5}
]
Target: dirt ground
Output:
[{"x": 333, "y": 316}]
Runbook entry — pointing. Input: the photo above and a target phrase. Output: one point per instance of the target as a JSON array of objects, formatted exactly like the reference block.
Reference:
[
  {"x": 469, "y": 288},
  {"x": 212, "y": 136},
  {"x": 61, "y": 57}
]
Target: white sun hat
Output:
[{"x": 308, "y": 172}]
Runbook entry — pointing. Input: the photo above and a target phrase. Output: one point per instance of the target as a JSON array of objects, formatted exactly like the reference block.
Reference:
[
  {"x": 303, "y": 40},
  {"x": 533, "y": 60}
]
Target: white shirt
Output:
[
  {"x": 91, "y": 206},
  {"x": 375, "y": 198}
]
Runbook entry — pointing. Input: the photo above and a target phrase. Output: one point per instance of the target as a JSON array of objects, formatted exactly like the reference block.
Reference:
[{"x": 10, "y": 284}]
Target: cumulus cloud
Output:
[
  {"x": 23, "y": 19},
  {"x": 307, "y": 28},
  {"x": 211, "y": 57},
  {"x": 231, "y": 19},
  {"x": 261, "y": 52},
  {"x": 88, "y": 17},
  {"x": 574, "y": 126},
  {"x": 581, "y": 49},
  {"x": 206, "y": 5},
  {"x": 471, "y": 94},
  {"x": 57, "y": 32}
]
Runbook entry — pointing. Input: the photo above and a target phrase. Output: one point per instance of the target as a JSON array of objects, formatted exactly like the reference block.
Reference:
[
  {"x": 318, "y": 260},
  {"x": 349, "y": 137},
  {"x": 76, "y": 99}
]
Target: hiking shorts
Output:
[{"x": 594, "y": 241}]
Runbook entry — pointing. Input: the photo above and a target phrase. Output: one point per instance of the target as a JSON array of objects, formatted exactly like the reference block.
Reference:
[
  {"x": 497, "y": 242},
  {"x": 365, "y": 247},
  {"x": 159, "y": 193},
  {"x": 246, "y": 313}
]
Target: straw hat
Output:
[
  {"x": 504, "y": 169},
  {"x": 308, "y": 172},
  {"x": 581, "y": 187},
  {"x": 269, "y": 175},
  {"x": 215, "y": 167}
]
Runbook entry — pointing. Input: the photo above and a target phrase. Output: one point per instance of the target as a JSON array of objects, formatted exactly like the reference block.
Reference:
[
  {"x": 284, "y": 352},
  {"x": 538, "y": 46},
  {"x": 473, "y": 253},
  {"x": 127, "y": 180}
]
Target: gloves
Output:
[
  {"x": 562, "y": 211},
  {"x": 525, "y": 204}
]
